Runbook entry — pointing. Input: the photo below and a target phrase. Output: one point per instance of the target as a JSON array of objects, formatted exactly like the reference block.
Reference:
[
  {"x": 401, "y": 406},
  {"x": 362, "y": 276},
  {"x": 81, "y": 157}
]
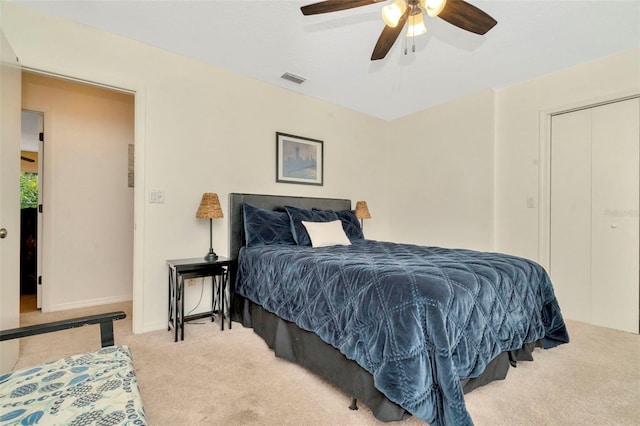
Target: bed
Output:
[{"x": 404, "y": 329}]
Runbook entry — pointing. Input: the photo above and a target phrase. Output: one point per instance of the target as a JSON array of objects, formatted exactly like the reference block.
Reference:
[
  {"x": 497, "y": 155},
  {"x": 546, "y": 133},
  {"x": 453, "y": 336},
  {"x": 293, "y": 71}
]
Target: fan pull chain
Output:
[
  {"x": 413, "y": 37},
  {"x": 405, "y": 38},
  {"x": 405, "y": 46}
]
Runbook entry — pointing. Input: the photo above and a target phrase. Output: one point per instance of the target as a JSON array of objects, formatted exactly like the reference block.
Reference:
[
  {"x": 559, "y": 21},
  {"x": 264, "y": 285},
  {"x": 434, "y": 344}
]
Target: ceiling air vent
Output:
[{"x": 293, "y": 78}]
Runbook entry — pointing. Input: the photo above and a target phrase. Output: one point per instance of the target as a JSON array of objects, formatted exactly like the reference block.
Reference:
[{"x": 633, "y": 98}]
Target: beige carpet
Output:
[{"x": 232, "y": 378}]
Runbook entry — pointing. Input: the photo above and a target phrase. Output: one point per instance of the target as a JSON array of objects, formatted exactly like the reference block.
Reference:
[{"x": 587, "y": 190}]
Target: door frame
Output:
[
  {"x": 136, "y": 88},
  {"x": 544, "y": 165},
  {"x": 40, "y": 221},
  {"x": 544, "y": 172},
  {"x": 39, "y": 231}
]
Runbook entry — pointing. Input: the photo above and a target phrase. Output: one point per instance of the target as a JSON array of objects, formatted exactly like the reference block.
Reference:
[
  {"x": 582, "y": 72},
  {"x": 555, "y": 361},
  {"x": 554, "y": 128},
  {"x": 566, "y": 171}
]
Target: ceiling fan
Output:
[{"x": 397, "y": 14}]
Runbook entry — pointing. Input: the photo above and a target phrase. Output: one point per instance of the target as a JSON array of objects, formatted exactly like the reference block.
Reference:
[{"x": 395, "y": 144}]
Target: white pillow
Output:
[{"x": 323, "y": 234}]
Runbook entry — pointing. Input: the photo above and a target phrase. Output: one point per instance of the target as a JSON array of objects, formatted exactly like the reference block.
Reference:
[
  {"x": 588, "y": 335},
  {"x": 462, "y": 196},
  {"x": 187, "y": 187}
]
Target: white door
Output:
[
  {"x": 615, "y": 132},
  {"x": 10, "y": 108},
  {"x": 570, "y": 254},
  {"x": 595, "y": 235}
]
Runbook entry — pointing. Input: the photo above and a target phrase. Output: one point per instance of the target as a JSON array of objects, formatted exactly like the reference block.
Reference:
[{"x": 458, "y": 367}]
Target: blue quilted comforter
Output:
[{"x": 417, "y": 318}]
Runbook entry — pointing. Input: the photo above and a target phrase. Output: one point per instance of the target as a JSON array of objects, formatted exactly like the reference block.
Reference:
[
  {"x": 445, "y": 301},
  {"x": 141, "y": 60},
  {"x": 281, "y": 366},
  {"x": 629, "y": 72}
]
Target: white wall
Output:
[
  {"x": 88, "y": 219},
  {"x": 522, "y": 133},
  {"x": 199, "y": 129},
  {"x": 440, "y": 174},
  {"x": 225, "y": 142}
]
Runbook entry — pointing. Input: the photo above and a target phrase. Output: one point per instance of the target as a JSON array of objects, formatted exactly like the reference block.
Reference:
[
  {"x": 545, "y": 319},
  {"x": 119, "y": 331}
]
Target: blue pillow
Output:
[
  {"x": 297, "y": 215},
  {"x": 265, "y": 227},
  {"x": 350, "y": 224}
]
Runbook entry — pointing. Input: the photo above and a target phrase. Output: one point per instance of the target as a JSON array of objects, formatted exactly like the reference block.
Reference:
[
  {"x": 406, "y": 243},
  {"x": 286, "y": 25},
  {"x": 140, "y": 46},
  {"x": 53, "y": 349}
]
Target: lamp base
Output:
[{"x": 210, "y": 257}]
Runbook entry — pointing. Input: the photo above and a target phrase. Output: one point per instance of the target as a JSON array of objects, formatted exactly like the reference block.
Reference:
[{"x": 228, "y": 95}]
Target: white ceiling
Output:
[{"x": 264, "y": 39}]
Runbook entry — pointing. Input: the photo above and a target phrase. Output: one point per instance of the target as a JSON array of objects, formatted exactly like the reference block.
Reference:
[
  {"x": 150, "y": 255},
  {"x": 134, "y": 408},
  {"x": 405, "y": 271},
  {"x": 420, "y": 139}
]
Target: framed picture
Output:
[
  {"x": 131, "y": 174},
  {"x": 299, "y": 160}
]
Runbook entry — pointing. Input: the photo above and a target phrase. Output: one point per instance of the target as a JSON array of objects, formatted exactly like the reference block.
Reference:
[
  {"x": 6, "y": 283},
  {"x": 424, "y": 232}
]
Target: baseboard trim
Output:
[
  {"x": 90, "y": 302},
  {"x": 154, "y": 326}
]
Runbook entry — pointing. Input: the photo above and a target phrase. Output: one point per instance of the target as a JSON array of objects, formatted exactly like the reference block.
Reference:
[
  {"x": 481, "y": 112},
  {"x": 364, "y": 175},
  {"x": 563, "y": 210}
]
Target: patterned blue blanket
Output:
[
  {"x": 417, "y": 318},
  {"x": 98, "y": 388}
]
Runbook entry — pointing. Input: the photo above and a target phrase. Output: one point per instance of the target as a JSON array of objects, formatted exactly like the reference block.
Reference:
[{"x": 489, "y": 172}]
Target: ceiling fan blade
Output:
[
  {"x": 388, "y": 37},
  {"x": 334, "y": 5},
  {"x": 27, "y": 159},
  {"x": 467, "y": 16}
]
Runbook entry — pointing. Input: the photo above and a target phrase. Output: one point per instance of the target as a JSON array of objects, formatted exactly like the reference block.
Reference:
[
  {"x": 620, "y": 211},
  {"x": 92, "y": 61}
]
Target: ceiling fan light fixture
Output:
[
  {"x": 434, "y": 7},
  {"x": 391, "y": 13},
  {"x": 397, "y": 13},
  {"x": 416, "y": 25}
]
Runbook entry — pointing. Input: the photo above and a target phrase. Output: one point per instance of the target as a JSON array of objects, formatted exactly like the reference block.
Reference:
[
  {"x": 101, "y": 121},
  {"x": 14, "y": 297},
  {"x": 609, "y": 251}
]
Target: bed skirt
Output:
[{"x": 307, "y": 349}]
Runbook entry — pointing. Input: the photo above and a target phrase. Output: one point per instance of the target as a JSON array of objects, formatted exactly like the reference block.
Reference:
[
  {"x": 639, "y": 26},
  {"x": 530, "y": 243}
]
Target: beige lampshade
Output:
[
  {"x": 362, "y": 211},
  {"x": 209, "y": 207}
]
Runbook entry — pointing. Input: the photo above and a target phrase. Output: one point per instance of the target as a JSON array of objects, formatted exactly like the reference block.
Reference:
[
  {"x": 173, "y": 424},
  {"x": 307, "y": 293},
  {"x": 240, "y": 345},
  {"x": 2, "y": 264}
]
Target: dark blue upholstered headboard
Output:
[{"x": 271, "y": 202}]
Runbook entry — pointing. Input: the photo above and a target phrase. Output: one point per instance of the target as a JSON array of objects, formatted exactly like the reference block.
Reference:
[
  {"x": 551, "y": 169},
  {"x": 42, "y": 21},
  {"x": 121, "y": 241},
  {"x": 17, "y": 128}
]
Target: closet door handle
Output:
[{"x": 3, "y": 233}]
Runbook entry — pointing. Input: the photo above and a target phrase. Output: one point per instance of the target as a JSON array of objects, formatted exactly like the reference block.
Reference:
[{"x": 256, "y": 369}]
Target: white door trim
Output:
[
  {"x": 544, "y": 166},
  {"x": 138, "y": 90}
]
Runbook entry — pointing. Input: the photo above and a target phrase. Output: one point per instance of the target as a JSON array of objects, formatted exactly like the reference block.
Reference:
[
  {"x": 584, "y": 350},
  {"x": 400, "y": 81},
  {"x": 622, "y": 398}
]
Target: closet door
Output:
[
  {"x": 570, "y": 223},
  {"x": 595, "y": 235},
  {"x": 570, "y": 240},
  {"x": 614, "y": 215}
]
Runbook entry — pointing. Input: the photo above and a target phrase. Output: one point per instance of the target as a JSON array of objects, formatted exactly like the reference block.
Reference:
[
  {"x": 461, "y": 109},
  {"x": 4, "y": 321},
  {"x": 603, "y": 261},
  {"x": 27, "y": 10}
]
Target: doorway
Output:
[
  {"x": 88, "y": 202},
  {"x": 31, "y": 155}
]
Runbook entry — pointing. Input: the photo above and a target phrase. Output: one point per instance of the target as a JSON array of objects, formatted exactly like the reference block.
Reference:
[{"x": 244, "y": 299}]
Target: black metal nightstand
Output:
[{"x": 182, "y": 269}]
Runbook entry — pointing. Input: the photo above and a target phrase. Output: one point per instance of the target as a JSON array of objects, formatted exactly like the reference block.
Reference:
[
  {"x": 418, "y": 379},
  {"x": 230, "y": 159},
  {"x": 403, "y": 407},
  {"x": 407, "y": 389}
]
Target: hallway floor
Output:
[{"x": 28, "y": 303}]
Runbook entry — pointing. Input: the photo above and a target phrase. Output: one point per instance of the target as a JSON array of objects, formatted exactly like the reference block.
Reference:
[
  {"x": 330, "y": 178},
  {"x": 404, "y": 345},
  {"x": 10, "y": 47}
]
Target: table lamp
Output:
[
  {"x": 210, "y": 209},
  {"x": 362, "y": 212}
]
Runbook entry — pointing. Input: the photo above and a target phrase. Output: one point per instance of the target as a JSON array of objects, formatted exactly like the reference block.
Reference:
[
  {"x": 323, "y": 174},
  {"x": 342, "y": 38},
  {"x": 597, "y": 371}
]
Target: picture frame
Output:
[
  {"x": 130, "y": 166},
  {"x": 299, "y": 159}
]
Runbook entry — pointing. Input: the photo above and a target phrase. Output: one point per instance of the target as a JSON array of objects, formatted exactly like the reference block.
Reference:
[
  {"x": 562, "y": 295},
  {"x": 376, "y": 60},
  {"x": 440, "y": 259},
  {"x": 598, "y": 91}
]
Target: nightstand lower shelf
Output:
[{"x": 184, "y": 269}]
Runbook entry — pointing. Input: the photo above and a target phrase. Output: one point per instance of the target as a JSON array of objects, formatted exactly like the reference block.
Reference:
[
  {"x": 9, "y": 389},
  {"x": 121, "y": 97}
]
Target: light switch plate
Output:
[
  {"x": 156, "y": 196},
  {"x": 531, "y": 203}
]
